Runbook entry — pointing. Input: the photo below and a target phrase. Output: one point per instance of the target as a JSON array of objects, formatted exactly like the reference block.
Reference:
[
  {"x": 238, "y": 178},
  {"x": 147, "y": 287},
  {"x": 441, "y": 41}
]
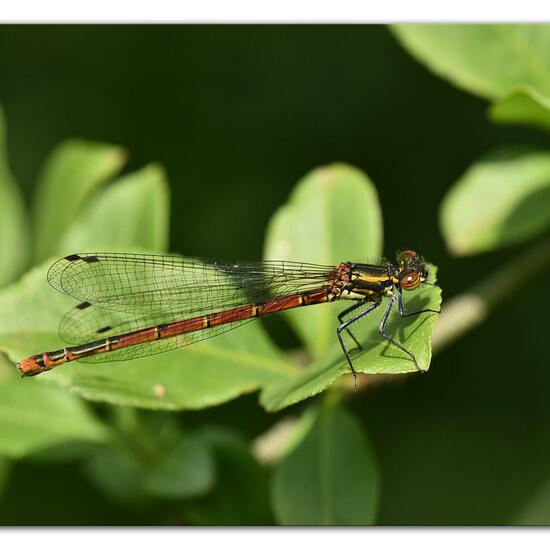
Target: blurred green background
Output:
[{"x": 236, "y": 115}]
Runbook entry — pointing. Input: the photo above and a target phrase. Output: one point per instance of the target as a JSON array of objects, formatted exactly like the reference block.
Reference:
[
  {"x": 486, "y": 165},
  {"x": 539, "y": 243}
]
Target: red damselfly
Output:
[{"x": 134, "y": 305}]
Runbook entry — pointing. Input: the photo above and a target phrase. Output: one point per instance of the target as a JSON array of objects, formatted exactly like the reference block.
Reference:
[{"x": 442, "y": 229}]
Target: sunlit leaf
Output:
[
  {"x": 74, "y": 170},
  {"x": 501, "y": 200},
  {"x": 131, "y": 213},
  {"x": 507, "y": 64}
]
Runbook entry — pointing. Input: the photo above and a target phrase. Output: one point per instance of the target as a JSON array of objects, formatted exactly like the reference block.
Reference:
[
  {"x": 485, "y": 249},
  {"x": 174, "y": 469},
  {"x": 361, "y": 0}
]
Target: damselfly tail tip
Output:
[{"x": 29, "y": 366}]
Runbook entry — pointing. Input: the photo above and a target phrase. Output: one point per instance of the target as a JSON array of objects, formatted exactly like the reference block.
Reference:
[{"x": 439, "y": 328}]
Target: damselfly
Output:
[{"x": 134, "y": 305}]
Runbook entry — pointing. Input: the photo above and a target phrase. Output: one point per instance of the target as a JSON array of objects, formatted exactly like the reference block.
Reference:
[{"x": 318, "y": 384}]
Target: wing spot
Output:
[{"x": 72, "y": 258}]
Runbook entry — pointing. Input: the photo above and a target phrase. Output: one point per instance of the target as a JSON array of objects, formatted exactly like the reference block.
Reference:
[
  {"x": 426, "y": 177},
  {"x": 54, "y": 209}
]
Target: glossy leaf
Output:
[
  {"x": 131, "y": 213},
  {"x": 239, "y": 479},
  {"x": 499, "y": 201},
  {"x": 36, "y": 416},
  {"x": 13, "y": 218},
  {"x": 201, "y": 375},
  {"x": 330, "y": 477},
  {"x": 508, "y": 64},
  {"x": 377, "y": 356},
  {"x": 333, "y": 215},
  {"x": 71, "y": 174}
]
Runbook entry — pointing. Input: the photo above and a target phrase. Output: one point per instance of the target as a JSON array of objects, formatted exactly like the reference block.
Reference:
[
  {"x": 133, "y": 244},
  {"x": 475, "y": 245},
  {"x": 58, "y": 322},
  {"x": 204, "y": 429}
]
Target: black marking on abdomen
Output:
[{"x": 56, "y": 355}]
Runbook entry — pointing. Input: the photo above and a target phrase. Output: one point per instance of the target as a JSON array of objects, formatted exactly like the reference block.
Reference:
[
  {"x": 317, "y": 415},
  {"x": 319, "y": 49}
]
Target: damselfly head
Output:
[{"x": 412, "y": 270}]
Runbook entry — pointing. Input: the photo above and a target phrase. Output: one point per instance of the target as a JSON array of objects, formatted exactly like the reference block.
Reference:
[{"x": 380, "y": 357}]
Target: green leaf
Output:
[
  {"x": 185, "y": 471},
  {"x": 493, "y": 61},
  {"x": 152, "y": 457},
  {"x": 131, "y": 213},
  {"x": 501, "y": 200},
  {"x": 333, "y": 215},
  {"x": 330, "y": 477},
  {"x": 14, "y": 242},
  {"x": 377, "y": 355},
  {"x": 522, "y": 104},
  {"x": 117, "y": 474},
  {"x": 35, "y": 416},
  {"x": 240, "y": 477},
  {"x": 201, "y": 375},
  {"x": 74, "y": 170},
  {"x": 30, "y": 311}
]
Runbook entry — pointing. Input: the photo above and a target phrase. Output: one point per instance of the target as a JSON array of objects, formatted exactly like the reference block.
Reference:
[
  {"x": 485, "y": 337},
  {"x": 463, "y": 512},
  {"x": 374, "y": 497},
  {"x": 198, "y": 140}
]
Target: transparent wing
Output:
[
  {"x": 126, "y": 292},
  {"x": 141, "y": 283}
]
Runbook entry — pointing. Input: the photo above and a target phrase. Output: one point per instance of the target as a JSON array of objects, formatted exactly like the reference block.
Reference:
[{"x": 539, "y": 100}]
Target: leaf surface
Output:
[
  {"x": 237, "y": 473},
  {"x": 151, "y": 457},
  {"x": 507, "y": 64},
  {"x": 36, "y": 416},
  {"x": 74, "y": 170},
  {"x": 131, "y": 213},
  {"x": 330, "y": 477},
  {"x": 500, "y": 200}
]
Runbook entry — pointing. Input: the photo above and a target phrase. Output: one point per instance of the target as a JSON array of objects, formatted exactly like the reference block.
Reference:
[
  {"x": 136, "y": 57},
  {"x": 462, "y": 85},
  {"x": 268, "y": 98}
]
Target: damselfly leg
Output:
[
  {"x": 382, "y": 332},
  {"x": 344, "y": 326},
  {"x": 343, "y": 314},
  {"x": 384, "y": 320},
  {"x": 401, "y": 306}
]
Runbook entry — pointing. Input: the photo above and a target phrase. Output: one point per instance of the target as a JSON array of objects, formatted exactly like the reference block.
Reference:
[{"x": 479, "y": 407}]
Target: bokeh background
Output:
[{"x": 236, "y": 115}]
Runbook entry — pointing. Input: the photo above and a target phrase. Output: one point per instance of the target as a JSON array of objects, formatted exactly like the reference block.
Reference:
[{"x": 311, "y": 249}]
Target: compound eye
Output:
[{"x": 410, "y": 281}]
